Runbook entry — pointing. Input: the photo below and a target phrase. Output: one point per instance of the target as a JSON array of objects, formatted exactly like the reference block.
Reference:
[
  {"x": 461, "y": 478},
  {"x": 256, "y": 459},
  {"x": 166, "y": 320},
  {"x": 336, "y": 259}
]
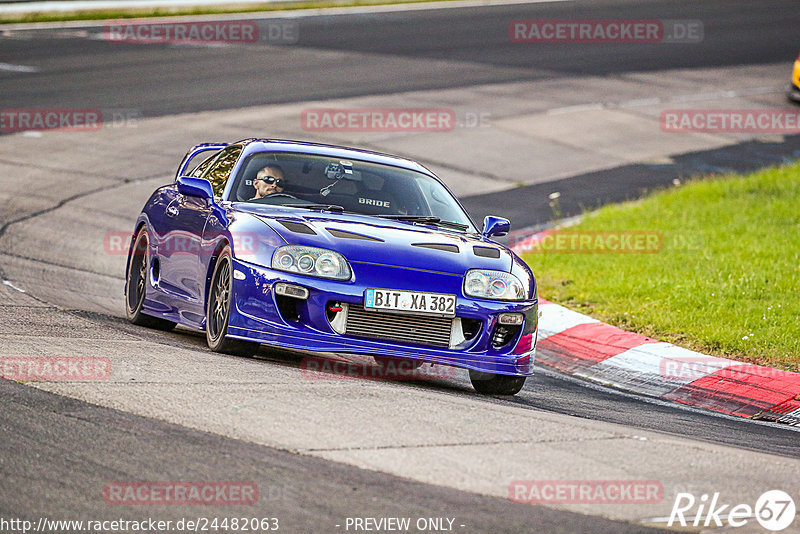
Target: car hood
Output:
[{"x": 364, "y": 239}]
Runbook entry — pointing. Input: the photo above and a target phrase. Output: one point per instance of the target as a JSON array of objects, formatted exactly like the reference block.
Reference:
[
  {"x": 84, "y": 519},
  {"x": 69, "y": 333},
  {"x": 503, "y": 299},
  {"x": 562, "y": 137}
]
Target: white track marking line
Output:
[
  {"x": 10, "y": 67},
  {"x": 12, "y": 286}
]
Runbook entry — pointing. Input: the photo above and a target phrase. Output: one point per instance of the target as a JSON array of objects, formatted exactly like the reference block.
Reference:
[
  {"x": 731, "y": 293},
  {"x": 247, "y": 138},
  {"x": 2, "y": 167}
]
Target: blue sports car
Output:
[{"x": 331, "y": 249}]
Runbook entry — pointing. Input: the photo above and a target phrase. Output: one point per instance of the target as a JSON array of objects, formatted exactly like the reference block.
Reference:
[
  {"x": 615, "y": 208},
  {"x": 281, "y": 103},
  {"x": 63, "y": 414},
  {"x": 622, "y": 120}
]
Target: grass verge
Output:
[
  {"x": 724, "y": 279},
  {"x": 116, "y": 14}
]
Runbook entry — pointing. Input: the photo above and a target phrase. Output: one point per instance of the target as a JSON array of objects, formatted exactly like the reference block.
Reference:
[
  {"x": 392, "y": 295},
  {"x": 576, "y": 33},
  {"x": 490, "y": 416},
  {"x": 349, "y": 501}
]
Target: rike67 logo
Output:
[{"x": 774, "y": 510}]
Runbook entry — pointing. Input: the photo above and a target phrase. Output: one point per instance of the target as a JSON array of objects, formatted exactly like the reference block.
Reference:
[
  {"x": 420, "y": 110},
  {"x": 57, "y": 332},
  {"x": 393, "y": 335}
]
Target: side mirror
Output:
[
  {"x": 195, "y": 187},
  {"x": 495, "y": 226}
]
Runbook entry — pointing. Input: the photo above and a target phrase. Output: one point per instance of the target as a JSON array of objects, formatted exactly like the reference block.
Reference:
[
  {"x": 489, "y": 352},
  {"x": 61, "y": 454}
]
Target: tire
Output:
[
  {"x": 491, "y": 384},
  {"x": 218, "y": 310},
  {"x": 136, "y": 286}
]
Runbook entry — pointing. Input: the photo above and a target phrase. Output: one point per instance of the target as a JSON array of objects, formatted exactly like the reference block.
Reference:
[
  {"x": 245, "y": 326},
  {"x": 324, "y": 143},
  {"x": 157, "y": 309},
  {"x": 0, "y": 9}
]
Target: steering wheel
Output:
[{"x": 279, "y": 195}]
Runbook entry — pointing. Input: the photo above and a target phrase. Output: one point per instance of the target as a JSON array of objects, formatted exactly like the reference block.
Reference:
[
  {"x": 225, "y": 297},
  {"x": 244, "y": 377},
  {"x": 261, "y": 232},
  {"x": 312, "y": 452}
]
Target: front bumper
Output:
[{"x": 256, "y": 317}]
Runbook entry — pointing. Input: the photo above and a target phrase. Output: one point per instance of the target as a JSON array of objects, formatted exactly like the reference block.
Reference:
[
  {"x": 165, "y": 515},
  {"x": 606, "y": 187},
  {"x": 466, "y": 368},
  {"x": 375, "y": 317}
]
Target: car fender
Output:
[
  {"x": 249, "y": 238},
  {"x": 143, "y": 220},
  {"x": 521, "y": 270}
]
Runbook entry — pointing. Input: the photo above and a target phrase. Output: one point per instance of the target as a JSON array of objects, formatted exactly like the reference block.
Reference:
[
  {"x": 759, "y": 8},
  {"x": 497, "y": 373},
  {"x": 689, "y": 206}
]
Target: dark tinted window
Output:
[
  {"x": 358, "y": 186},
  {"x": 206, "y": 160},
  {"x": 220, "y": 170}
]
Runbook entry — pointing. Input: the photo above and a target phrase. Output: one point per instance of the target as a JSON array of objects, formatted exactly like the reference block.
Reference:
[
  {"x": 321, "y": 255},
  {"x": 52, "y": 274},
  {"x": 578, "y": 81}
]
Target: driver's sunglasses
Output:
[{"x": 272, "y": 180}]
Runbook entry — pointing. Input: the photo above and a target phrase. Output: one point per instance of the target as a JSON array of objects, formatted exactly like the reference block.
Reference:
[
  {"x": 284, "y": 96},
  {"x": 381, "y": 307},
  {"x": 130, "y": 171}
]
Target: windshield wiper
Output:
[
  {"x": 322, "y": 207},
  {"x": 430, "y": 219}
]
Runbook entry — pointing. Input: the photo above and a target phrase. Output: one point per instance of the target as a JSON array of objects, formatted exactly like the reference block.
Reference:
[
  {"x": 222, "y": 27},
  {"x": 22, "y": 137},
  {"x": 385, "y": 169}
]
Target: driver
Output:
[{"x": 268, "y": 181}]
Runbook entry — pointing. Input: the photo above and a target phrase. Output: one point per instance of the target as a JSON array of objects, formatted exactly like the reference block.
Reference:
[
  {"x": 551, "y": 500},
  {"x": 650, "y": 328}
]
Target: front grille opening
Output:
[
  {"x": 504, "y": 334},
  {"x": 471, "y": 327},
  {"x": 288, "y": 308},
  {"x": 402, "y": 328}
]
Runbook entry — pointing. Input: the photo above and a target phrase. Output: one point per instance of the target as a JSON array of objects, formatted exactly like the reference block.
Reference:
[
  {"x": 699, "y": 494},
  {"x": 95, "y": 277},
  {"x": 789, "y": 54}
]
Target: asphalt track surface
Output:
[
  {"x": 405, "y": 51},
  {"x": 79, "y": 449},
  {"x": 42, "y": 432},
  {"x": 472, "y": 44}
]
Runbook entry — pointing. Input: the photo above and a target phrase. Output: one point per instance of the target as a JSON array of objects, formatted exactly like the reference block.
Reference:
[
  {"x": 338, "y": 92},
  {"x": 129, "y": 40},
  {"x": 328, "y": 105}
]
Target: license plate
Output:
[{"x": 440, "y": 304}]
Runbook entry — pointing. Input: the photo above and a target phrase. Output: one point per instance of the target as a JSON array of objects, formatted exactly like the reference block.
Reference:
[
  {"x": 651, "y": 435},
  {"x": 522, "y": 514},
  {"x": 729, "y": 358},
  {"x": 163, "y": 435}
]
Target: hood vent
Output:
[
  {"x": 297, "y": 227},
  {"x": 438, "y": 246},
  {"x": 486, "y": 252},
  {"x": 351, "y": 235}
]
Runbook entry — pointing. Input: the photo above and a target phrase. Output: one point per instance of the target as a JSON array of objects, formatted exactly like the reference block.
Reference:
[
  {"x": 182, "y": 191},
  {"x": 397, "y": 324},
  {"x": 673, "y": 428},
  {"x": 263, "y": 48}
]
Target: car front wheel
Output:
[
  {"x": 218, "y": 310},
  {"x": 491, "y": 384}
]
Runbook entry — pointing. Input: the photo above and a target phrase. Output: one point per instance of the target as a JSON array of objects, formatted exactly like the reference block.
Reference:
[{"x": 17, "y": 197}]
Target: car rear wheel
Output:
[
  {"x": 218, "y": 310},
  {"x": 136, "y": 286},
  {"x": 491, "y": 384}
]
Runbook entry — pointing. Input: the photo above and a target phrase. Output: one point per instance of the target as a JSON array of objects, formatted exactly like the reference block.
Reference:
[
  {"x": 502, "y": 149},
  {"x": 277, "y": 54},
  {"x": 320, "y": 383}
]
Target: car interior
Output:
[{"x": 356, "y": 186}]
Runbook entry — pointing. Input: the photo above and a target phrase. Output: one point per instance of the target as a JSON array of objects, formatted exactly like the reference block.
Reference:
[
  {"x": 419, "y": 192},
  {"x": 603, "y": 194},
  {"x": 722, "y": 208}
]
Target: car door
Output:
[{"x": 183, "y": 272}]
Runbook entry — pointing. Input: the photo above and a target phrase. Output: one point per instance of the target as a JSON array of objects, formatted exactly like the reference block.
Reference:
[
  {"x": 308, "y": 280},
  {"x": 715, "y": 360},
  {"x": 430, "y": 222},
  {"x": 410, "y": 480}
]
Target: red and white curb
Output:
[{"x": 582, "y": 346}]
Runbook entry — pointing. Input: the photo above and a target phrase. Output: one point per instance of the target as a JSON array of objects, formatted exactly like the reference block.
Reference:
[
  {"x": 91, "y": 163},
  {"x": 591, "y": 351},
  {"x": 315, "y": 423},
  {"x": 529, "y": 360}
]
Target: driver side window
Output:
[
  {"x": 200, "y": 169},
  {"x": 220, "y": 171}
]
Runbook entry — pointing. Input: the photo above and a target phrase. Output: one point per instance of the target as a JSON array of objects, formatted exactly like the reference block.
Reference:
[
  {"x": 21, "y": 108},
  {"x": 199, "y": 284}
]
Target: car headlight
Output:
[
  {"x": 488, "y": 284},
  {"x": 311, "y": 261}
]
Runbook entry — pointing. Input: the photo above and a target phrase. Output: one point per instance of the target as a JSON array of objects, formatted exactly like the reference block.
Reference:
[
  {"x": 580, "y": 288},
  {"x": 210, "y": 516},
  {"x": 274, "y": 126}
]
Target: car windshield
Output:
[{"x": 325, "y": 182}]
